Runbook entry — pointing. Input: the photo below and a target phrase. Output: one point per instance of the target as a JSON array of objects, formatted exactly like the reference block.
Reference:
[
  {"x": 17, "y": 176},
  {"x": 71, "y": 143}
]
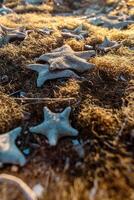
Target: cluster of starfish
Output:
[
  {"x": 8, "y": 35},
  {"x": 54, "y": 127},
  {"x": 62, "y": 62}
]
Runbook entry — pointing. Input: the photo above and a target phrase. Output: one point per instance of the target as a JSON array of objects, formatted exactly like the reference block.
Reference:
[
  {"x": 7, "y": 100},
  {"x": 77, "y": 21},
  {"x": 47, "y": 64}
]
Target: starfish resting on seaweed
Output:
[
  {"x": 9, "y": 152},
  {"x": 45, "y": 74},
  {"x": 61, "y": 62},
  {"x": 11, "y": 34},
  {"x": 65, "y": 58},
  {"x": 55, "y": 126}
]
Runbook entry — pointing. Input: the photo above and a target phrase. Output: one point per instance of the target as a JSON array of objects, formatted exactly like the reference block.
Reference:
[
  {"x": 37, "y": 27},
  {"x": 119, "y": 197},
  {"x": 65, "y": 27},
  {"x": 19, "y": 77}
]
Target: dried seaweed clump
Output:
[
  {"x": 10, "y": 113},
  {"x": 99, "y": 120},
  {"x": 128, "y": 108},
  {"x": 70, "y": 89},
  {"x": 76, "y": 191},
  {"x": 114, "y": 65}
]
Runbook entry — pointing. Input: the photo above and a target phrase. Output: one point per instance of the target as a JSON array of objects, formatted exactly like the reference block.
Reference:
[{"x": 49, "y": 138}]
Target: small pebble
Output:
[
  {"x": 38, "y": 189},
  {"x": 14, "y": 168}
]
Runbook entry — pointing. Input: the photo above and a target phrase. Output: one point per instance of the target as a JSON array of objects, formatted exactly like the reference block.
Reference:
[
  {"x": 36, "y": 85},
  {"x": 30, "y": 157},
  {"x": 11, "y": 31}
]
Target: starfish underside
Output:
[
  {"x": 9, "y": 152},
  {"x": 55, "y": 126}
]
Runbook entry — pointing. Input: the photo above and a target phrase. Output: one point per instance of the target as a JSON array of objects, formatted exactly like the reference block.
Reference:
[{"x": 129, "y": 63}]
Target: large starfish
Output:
[
  {"x": 4, "y": 10},
  {"x": 45, "y": 74},
  {"x": 108, "y": 45},
  {"x": 11, "y": 34},
  {"x": 55, "y": 126},
  {"x": 78, "y": 33},
  {"x": 9, "y": 152},
  {"x": 65, "y": 58}
]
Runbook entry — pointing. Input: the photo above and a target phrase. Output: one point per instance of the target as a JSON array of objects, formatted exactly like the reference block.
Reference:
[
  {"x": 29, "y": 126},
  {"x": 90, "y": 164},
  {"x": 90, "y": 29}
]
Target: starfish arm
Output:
[
  {"x": 34, "y": 2},
  {"x": 42, "y": 72},
  {"x": 46, "y": 57},
  {"x": 66, "y": 113},
  {"x": 70, "y": 131},
  {"x": 6, "y": 29},
  {"x": 15, "y": 36},
  {"x": 39, "y": 129},
  {"x": 64, "y": 48},
  {"x": 52, "y": 136},
  {"x": 13, "y": 134},
  {"x": 4, "y": 40},
  {"x": 78, "y": 29},
  {"x": 62, "y": 74},
  {"x": 38, "y": 67},
  {"x": 16, "y": 156},
  {"x": 43, "y": 76},
  {"x": 85, "y": 54},
  {"x": 72, "y": 35},
  {"x": 71, "y": 62},
  {"x": 47, "y": 113},
  {"x": 12, "y": 156},
  {"x": 5, "y": 10},
  {"x": 116, "y": 46}
]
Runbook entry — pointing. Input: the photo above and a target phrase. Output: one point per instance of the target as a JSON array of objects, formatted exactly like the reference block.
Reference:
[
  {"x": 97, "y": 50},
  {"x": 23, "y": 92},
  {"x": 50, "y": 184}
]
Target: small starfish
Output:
[
  {"x": 4, "y": 10},
  {"x": 55, "y": 126},
  {"x": 108, "y": 45},
  {"x": 9, "y": 152},
  {"x": 65, "y": 58},
  {"x": 11, "y": 34},
  {"x": 77, "y": 33},
  {"x": 45, "y": 74}
]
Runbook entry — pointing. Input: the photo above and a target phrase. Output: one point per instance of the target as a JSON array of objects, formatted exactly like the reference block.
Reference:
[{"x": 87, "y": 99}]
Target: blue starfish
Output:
[
  {"x": 45, "y": 74},
  {"x": 55, "y": 126},
  {"x": 9, "y": 152}
]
